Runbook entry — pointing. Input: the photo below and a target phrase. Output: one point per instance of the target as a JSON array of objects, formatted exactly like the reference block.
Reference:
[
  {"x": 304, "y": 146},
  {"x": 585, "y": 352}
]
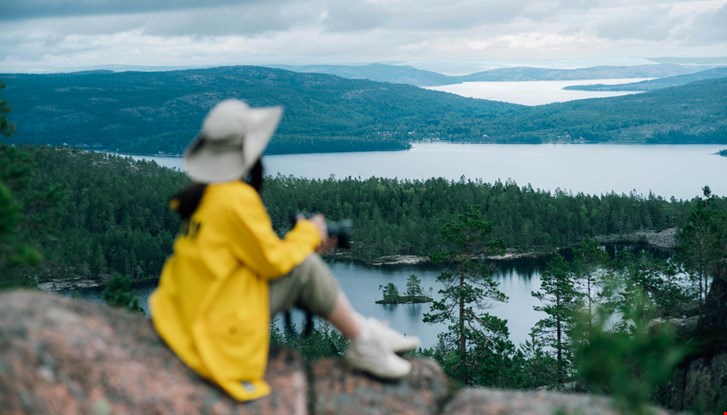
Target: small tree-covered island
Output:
[
  {"x": 412, "y": 295},
  {"x": 631, "y": 324}
]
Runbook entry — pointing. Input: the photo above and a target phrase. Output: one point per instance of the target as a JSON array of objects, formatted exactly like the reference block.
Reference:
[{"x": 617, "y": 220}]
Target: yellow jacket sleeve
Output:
[{"x": 259, "y": 247}]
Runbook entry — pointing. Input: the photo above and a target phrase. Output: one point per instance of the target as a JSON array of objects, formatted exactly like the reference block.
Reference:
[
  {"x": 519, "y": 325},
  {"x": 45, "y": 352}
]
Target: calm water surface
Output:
[
  {"x": 361, "y": 285},
  {"x": 678, "y": 171},
  {"x": 534, "y": 92}
]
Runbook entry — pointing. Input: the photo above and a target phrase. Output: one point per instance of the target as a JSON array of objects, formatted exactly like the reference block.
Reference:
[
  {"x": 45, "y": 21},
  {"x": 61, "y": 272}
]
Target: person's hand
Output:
[
  {"x": 326, "y": 243},
  {"x": 320, "y": 221}
]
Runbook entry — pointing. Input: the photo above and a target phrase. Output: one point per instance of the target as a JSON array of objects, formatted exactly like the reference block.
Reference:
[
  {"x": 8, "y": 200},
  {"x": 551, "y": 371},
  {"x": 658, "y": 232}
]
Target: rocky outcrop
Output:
[
  {"x": 699, "y": 386},
  {"x": 665, "y": 239},
  {"x": 401, "y": 260},
  {"x": 65, "y": 356},
  {"x": 497, "y": 402},
  {"x": 700, "y": 382},
  {"x": 715, "y": 311}
]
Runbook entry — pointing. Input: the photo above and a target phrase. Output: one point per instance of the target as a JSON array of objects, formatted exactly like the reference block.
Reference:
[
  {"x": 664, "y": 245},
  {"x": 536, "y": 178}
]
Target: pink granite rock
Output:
[
  {"x": 339, "y": 390},
  {"x": 64, "y": 356},
  {"x": 502, "y": 402}
]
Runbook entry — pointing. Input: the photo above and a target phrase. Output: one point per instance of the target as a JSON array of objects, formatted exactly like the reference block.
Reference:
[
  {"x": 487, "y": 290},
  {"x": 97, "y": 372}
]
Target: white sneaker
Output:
[
  {"x": 368, "y": 354},
  {"x": 390, "y": 338}
]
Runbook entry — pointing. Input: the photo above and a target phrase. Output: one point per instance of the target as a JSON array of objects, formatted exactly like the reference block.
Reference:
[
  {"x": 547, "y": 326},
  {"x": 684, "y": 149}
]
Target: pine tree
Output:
[
  {"x": 15, "y": 169},
  {"x": 538, "y": 366},
  {"x": 703, "y": 240},
  {"x": 587, "y": 258},
  {"x": 6, "y": 127},
  {"x": 118, "y": 293},
  {"x": 391, "y": 293},
  {"x": 14, "y": 254},
  {"x": 622, "y": 353},
  {"x": 560, "y": 301},
  {"x": 413, "y": 286},
  {"x": 467, "y": 292}
]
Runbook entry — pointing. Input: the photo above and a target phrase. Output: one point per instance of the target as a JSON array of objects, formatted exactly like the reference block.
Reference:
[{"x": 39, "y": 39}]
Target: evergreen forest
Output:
[{"x": 95, "y": 214}]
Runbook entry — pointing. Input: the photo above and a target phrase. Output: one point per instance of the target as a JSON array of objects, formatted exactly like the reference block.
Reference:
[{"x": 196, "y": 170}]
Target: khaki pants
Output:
[{"x": 309, "y": 286}]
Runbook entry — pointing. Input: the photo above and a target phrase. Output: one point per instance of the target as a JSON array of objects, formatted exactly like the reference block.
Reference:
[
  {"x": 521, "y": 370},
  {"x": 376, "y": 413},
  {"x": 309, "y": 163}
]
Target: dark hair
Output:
[
  {"x": 186, "y": 202},
  {"x": 255, "y": 177}
]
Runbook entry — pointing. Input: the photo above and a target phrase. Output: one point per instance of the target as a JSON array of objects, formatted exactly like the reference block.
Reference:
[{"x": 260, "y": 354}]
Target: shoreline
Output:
[
  {"x": 721, "y": 152},
  {"x": 78, "y": 283},
  {"x": 665, "y": 239}
]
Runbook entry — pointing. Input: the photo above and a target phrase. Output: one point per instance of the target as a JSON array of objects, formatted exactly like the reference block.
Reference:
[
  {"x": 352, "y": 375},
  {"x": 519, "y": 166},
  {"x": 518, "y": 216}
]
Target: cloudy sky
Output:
[{"x": 447, "y": 35}]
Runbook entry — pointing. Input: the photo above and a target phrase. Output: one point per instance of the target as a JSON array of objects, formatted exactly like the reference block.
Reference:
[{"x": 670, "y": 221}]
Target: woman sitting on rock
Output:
[{"x": 230, "y": 272}]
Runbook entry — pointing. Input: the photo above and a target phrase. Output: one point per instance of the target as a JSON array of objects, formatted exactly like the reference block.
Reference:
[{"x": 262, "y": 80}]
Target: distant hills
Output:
[
  {"x": 413, "y": 76},
  {"x": 397, "y": 74},
  {"x": 654, "y": 84},
  {"x": 718, "y": 61},
  {"x": 595, "y": 72},
  {"x": 153, "y": 112},
  {"x": 688, "y": 114}
]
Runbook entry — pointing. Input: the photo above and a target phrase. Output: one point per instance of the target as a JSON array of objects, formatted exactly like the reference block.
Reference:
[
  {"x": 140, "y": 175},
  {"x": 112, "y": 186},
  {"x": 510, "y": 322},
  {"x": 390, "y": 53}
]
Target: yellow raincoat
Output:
[{"x": 211, "y": 306}]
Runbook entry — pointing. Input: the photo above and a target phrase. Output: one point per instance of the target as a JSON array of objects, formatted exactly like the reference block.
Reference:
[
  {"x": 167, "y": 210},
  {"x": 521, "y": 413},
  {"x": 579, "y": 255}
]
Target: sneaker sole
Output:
[{"x": 363, "y": 367}]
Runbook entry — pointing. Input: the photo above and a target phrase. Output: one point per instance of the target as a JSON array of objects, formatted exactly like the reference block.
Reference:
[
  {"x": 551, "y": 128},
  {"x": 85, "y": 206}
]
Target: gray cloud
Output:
[
  {"x": 343, "y": 16},
  {"x": 664, "y": 23},
  {"x": 711, "y": 27},
  {"x": 430, "y": 15},
  {"x": 216, "y": 18},
  {"x": 653, "y": 23},
  {"x": 242, "y": 20},
  {"x": 16, "y": 9},
  {"x": 181, "y": 32}
]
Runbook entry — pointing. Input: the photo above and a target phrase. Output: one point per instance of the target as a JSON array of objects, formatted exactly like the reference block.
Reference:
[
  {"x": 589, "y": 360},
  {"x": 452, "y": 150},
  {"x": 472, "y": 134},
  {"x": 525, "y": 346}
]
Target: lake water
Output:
[
  {"x": 665, "y": 170},
  {"x": 360, "y": 283},
  {"x": 534, "y": 92}
]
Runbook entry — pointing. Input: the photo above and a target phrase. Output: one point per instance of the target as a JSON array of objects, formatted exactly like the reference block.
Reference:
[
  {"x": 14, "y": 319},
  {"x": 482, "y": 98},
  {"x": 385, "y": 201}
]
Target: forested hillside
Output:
[
  {"x": 688, "y": 114},
  {"x": 396, "y": 74},
  {"x": 110, "y": 214},
  {"x": 150, "y": 112},
  {"x": 153, "y": 112},
  {"x": 406, "y": 217}
]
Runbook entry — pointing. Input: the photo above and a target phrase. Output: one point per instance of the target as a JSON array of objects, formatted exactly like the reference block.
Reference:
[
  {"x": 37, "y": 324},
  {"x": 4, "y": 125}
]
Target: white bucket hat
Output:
[{"x": 232, "y": 138}]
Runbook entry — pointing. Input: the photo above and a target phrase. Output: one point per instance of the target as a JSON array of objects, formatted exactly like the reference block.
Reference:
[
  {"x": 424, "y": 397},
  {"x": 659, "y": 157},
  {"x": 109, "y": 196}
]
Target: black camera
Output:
[{"x": 341, "y": 230}]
